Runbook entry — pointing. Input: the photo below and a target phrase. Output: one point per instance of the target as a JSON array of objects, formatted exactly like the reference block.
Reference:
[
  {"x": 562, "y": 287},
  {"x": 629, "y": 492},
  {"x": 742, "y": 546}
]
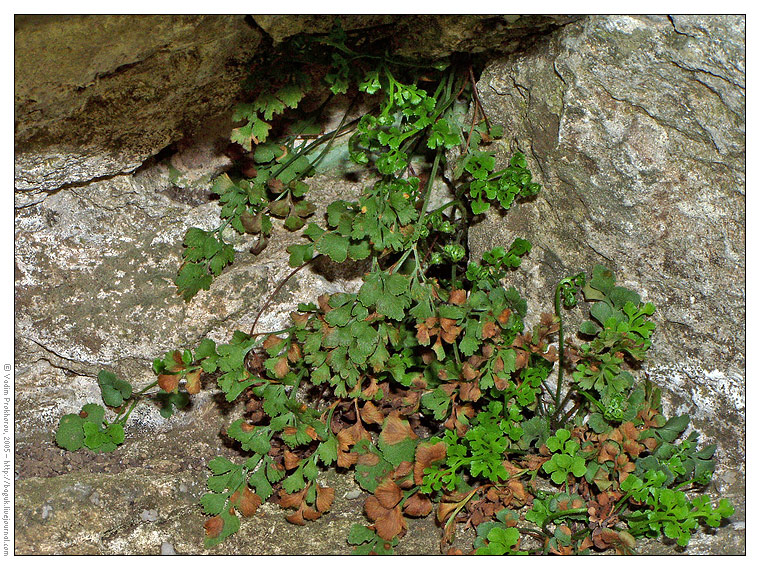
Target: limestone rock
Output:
[
  {"x": 635, "y": 128},
  {"x": 97, "y": 95},
  {"x": 630, "y": 180},
  {"x": 282, "y": 27},
  {"x": 94, "y": 271},
  {"x": 144, "y": 496},
  {"x": 425, "y": 35},
  {"x": 94, "y": 285}
]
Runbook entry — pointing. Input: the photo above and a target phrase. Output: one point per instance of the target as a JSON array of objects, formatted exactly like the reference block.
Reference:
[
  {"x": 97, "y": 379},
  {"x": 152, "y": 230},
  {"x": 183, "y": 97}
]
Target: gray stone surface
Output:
[
  {"x": 635, "y": 127},
  {"x": 94, "y": 270},
  {"x": 94, "y": 285},
  {"x": 95, "y": 260},
  {"x": 144, "y": 496}
]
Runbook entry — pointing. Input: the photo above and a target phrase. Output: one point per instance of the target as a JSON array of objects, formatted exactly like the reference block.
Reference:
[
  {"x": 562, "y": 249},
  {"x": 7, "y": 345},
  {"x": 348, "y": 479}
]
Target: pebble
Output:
[
  {"x": 167, "y": 549},
  {"x": 149, "y": 515}
]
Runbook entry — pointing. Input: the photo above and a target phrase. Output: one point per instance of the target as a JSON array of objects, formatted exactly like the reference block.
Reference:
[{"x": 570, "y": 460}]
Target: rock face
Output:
[
  {"x": 639, "y": 184},
  {"x": 428, "y": 36},
  {"x": 635, "y": 128},
  {"x": 88, "y": 105},
  {"x": 97, "y": 95}
]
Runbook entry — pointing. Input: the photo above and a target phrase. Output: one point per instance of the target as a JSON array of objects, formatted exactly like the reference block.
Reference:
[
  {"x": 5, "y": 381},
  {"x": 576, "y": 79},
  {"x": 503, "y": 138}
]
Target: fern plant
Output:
[{"x": 426, "y": 382}]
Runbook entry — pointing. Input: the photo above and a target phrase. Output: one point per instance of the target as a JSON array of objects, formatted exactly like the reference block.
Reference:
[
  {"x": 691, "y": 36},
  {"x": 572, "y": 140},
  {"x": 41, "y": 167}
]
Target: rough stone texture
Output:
[
  {"x": 145, "y": 495},
  {"x": 423, "y": 35},
  {"x": 94, "y": 271},
  {"x": 95, "y": 260},
  {"x": 94, "y": 283},
  {"x": 635, "y": 128},
  {"x": 87, "y": 86},
  {"x": 97, "y": 95},
  {"x": 282, "y": 27}
]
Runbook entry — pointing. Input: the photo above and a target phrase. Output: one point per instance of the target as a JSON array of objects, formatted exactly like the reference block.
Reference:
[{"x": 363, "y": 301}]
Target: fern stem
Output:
[
  {"x": 561, "y": 341},
  {"x": 277, "y": 290},
  {"x": 428, "y": 189}
]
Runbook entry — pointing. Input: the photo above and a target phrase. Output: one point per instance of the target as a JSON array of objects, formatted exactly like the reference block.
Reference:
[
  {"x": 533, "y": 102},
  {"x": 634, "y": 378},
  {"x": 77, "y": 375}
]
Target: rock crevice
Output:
[{"x": 634, "y": 126}]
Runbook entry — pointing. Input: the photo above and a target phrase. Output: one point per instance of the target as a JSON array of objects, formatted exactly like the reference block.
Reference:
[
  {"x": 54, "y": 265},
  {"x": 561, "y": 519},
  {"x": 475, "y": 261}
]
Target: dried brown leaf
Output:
[
  {"x": 469, "y": 372},
  {"x": 296, "y": 518},
  {"x": 271, "y": 341},
  {"x": 470, "y": 392},
  {"x": 371, "y": 390},
  {"x": 193, "y": 379},
  {"x": 352, "y": 434},
  {"x": 423, "y": 334},
  {"x": 396, "y": 430},
  {"x": 403, "y": 469},
  {"x": 299, "y": 319},
  {"x": 490, "y": 329},
  {"x": 388, "y": 493},
  {"x": 390, "y": 524},
  {"x": 373, "y": 508},
  {"x": 214, "y": 526},
  {"x": 551, "y": 355},
  {"x": 521, "y": 359},
  {"x": 534, "y": 462},
  {"x": 520, "y": 494},
  {"x": 458, "y": 297},
  {"x": 418, "y": 506},
  {"x": 449, "y": 337},
  {"x": 608, "y": 452},
  {"x": 500, "y": 383},
  {"x": 291, "y": 460},
  {"x": 249, "y": 502},
  {"x": 325, "y": 498},
  {"x": 504, "y": 316},
  {"x": 168, "y": 382},
  {"x": 511, "y": 468},
  {"x": 605, "y": 538},
  {"x": 178, "y": 362},
  {"x": 629, "y": 431},
  {"x": 546, "y": 320},
  {"x": 311, "y": 514},
  {"x": 419, "y": 382},
  {"x": 347, "y": 459},
  {"x": 294, "y": 353},
  {"x": 450, "y": 325},
  {"x": 444, "y": 511},
  {"x": 371, "y": 415},
  {"x": 312, "y": 433},
  {"x": 281, "y": 368},
  {"x": 276, "y": 185},
  {"x": 291, "y": 500}
]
